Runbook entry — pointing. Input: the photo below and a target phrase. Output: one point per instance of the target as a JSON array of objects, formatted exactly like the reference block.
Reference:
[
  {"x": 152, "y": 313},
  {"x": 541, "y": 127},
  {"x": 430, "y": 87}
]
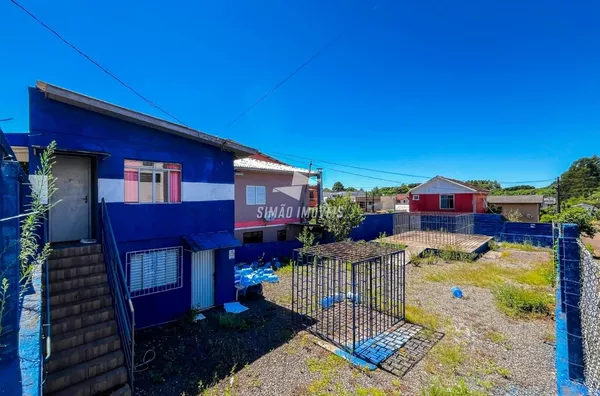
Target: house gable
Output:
[{"x": 440, "y": 185}]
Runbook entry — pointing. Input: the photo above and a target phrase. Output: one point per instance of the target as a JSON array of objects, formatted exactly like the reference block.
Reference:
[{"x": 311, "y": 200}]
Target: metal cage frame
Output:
[
  {"x": 349, "y": 292},
  {"x": 436, "y": 229}
]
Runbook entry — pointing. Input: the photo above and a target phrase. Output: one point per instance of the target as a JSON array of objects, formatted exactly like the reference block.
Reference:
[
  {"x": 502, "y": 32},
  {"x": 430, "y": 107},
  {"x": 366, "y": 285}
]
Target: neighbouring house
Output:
[
  {"x": 524, "y": 208},
  {"x": 142, "y": 229},
  {"x": 366, "y": 201},
  {"x": 442, "y": 194},
  {"x": 271, "y": 199},
  {"x": 398, "y": 202}
]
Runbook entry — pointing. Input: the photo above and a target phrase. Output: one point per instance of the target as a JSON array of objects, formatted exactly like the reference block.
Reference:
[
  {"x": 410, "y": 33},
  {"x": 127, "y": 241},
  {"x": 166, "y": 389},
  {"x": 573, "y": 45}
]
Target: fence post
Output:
[
  {"x": 9, "y": 259},
  {"x": 570, "y": 279}
]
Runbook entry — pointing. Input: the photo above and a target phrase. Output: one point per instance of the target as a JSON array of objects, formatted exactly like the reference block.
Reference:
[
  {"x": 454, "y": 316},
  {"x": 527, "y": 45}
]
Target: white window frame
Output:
[
  {"x": 252, "y": 195},
  {"x": 453, "y": 201},
  {"x": 415, "y": 197},
  {"x": 154, "y": 172},
  {"x": 155, "y": 288}
]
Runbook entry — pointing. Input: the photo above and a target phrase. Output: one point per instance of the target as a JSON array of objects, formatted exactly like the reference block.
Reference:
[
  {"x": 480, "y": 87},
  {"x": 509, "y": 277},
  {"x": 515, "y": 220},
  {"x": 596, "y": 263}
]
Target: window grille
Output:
[{"x": 154, "y": 271}]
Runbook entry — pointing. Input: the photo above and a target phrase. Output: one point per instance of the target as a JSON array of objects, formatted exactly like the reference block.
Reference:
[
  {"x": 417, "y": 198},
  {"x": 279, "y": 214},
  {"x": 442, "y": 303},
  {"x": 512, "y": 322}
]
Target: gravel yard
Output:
[{"x": 487, "y": 348}]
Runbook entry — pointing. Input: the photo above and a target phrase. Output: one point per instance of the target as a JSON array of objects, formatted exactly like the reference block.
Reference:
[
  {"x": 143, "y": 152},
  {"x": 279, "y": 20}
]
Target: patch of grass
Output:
[
  {"x": 286, "y": 267},
  {"x": 489, "y": 275},
  {"x": 232, "y": 321},
  {"x": 543, "y": 273},
  {"x": 550, "y": 338},
  {"x": 418, "y": 315},
  {"x": 520, "y": 302},
  {"x": 428, "y": 258},
  {"x": 445, "y": 358},
  {"x": 451, "y": 253},
  {"x": 505, "y": 254},
  {"x": 360, "y": 391},
  {"x": 526, "y": 246},
  {"x": 496, "y": 337},
  {"x": 459, "y": 389},
  {"x": 590, "y": 248},
  {"x": 326, "y": 369},
  {"x": 156, "y": 377}
]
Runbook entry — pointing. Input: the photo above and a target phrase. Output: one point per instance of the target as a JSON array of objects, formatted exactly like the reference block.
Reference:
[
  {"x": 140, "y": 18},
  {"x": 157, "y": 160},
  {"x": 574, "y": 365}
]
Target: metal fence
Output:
[
  {"x": 437, "y": 229},
  {"x": 348, "y": 292},
  {"x": 589, "y": 305}
]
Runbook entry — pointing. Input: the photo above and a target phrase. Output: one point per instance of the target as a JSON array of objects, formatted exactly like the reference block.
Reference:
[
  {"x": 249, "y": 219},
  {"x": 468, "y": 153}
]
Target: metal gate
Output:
[{"x": 203, "y": 279}]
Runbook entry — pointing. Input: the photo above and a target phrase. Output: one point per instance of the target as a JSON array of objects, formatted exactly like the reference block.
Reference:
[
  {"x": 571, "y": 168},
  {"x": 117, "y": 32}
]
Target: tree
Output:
[
  {"x": 413, "y": 185},
  {"x": 350, "y": 189},
  {"x": 307, "y": 238},
  {"x": 340, "y": 215},
  {"x": 487, "y": 184},
  {"x": 337, "y": 186},
  {"x": 375, "y": 191},
  {"x": 582, "y": 178},
  {"x": 575, "y": 215}
]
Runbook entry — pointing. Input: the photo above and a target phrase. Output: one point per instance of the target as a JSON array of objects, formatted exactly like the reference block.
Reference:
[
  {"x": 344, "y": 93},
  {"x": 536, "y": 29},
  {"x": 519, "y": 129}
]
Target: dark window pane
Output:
[
  {"x": 281, "y": 235},
  {"x": 253, "y": 237}
]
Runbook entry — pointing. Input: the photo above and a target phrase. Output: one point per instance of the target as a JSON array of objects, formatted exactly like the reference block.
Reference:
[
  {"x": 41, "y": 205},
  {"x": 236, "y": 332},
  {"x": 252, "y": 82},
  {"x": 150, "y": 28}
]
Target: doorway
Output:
[
  {"x": 203, "y": 279},
  {"x": 70, "y": 217}
]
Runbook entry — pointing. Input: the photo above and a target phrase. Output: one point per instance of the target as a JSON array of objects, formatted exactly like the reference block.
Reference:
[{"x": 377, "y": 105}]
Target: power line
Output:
[
  {"x": 329, "y": 44},
  {"x": 275, "y": 153},
  {"x": 96, "y": 63}
]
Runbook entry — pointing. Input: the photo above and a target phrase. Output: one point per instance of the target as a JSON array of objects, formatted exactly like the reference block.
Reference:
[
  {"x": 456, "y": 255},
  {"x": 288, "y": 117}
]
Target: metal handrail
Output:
[{"x": 122, "y": 304}]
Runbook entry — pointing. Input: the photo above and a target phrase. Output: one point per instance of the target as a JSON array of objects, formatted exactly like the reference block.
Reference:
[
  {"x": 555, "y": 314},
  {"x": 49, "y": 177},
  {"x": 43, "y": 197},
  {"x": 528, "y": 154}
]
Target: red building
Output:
[{"x": 442, "y": 194}]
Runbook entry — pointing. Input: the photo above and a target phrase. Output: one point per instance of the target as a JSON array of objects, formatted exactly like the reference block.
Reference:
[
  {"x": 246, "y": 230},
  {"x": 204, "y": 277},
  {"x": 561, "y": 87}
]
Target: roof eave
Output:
[
  {"x": 261, "y": 170},
  {"x": 87, "y": 102}
]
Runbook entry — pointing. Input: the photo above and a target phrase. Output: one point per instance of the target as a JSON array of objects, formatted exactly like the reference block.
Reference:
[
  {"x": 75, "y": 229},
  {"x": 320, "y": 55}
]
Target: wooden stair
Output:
[{"x": 86, "y": 356}]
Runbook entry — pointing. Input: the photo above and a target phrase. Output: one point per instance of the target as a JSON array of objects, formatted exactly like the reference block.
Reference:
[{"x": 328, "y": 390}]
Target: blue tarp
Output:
[{"x": 211, "y": 240}]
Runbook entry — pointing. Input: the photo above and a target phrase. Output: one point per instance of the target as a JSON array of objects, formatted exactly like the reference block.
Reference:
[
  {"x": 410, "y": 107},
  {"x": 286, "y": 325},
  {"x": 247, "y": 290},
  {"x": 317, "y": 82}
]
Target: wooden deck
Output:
[{"x": 417, "y": 241}]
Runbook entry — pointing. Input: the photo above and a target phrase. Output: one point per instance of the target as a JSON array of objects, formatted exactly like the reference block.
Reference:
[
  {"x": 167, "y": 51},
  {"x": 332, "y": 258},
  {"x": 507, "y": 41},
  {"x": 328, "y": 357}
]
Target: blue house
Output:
[
  {"x": 165, "y": 187},
  {"x": 143, "y": 215}
]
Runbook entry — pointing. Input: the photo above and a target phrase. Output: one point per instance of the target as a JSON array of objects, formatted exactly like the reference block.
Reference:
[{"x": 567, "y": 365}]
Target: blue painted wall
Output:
[
  {"x": 539, "y": 234},
  {"x": 250, "y": 252},
  {"x": 144, "y": 226},
  {"x": 373, "y": 226}
]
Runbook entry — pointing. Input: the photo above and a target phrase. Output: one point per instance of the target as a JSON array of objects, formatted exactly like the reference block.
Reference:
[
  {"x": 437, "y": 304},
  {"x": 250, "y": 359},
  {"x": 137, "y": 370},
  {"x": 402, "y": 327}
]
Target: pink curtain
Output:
[
  {"x": 131, "y": 185},
  {"x": 175, "y": 185}
]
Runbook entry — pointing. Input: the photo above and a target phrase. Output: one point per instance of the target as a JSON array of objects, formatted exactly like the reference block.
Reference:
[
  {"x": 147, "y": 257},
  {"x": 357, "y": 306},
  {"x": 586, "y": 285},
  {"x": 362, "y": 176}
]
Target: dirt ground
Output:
[{"x": 483, "y": 351}]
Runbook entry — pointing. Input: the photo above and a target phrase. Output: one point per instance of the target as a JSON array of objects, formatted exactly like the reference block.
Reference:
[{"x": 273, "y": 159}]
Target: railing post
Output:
[{"x": 570, "y": 283}]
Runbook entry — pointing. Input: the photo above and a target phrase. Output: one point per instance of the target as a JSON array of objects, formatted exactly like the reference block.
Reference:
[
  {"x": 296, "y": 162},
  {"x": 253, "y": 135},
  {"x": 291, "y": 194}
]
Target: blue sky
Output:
[{"x": 505, "y": 90}]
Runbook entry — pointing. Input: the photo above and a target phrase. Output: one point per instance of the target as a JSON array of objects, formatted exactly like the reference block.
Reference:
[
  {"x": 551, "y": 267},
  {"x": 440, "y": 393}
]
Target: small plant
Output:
[
  {"x": 232, "y": 321},
  {"x": 307, "y": 238},
  {"x": 447, "y": 357},
  {"x": 460, "y": 389},
  {"x": 521, "y": 302},
  {"x": 451, "y": 253},
  {"x": 496, "y": 337},
  {"x": 156, "y": 377},
  {"x": 493, "y": 245}
]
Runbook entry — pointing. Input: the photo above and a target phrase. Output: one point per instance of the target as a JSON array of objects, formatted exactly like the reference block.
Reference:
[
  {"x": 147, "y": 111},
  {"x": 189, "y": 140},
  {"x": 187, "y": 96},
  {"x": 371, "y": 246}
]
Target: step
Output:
[
  {"x": 71, "y": 296},
  {"x": 82, "y": 353},
  {"x": 77, "y": 283},
  {"x": 57, "y": 275},
  {"x": 83, "y": 371},
  {"x": 83, "y": 320},
  {"x": 75, "y": 261},
  {"x": 79, "y": 307},
  {"x": 125, "y": 390},
  {"x": 93, "y": 386},
  {"x": 79, "y": 250},
  {"x": 75, "y": 338}
]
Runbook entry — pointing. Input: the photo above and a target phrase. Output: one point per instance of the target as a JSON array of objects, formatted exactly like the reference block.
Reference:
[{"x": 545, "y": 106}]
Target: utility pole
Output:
[{"x": 558, "y": 195}]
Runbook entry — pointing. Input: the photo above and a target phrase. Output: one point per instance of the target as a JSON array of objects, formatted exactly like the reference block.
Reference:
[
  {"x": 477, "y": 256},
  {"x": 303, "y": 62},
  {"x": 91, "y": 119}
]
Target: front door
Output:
[
  {"x": 203, "y": 279},
  {"x": 70, "y": 218}
]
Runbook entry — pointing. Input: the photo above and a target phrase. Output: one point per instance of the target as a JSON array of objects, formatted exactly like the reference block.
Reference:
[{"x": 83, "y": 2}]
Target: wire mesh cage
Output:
[
  {"x": 348, "y": 292},
  {"x": 436, "y": 229}
]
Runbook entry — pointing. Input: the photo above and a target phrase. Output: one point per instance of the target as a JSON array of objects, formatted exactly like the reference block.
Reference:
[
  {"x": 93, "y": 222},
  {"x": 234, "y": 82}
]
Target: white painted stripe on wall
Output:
[
  {"x": 199, "y": 192},
  {"x": 112, "y": 190}
]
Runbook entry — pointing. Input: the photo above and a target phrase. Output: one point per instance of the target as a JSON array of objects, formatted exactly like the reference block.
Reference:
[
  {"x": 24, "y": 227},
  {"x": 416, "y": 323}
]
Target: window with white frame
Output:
[
  {"x": 256, "y": 195},
  {"x": 446, "y": 201},
  {"x": 416, "y": 197},
  {"x": 154, "y": 271},
  {"x": 152, "y": 182}
]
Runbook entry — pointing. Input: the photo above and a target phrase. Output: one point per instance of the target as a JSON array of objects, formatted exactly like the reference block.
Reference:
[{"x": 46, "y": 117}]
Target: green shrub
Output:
[
  {"x": 521, "y": 302},
  {"x": 493, "y": 245},
  {"x": 232, "y": 321}
]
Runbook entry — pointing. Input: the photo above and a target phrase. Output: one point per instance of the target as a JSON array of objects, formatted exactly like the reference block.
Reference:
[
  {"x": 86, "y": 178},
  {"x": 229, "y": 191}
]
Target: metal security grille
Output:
[
  {"x": 434, "y": 229},
  {"x": 589, "y": 305},
  {"x": 348, "y": 292},
  {"x": 154, "y": 271}
]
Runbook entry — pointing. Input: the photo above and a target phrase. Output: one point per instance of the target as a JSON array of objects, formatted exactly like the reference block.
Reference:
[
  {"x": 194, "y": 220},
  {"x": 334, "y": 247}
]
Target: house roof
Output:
[
  {"x": 99, "y": 106},
  {"x": 266, "y": 166},
  {"x": 467, "y": 186},
  {"x": 522, "y": 199}
]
